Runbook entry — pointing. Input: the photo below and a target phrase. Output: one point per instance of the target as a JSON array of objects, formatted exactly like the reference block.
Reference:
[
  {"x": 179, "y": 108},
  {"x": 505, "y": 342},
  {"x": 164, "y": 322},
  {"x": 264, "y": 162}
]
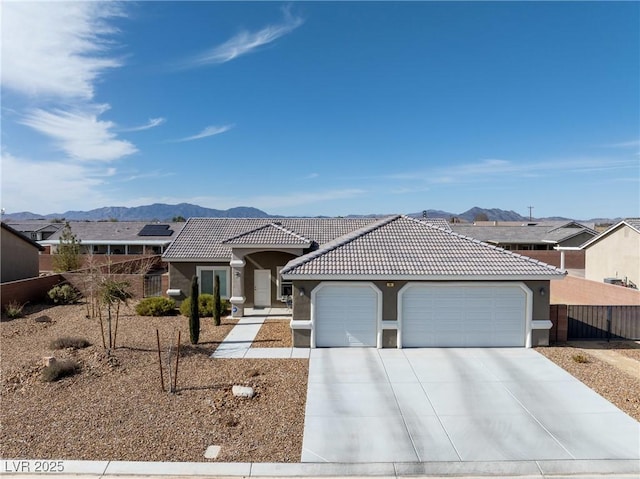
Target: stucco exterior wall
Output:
[
  {"x": 616, "y": 255},
  {"x": 264, "y": 260},
  {"x": 19, "y": 258},
  {"x": 302, "y": 308}
]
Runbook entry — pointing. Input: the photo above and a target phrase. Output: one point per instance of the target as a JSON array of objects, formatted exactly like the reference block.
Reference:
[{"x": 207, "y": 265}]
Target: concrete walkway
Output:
[{"x": 237, "y": 344}]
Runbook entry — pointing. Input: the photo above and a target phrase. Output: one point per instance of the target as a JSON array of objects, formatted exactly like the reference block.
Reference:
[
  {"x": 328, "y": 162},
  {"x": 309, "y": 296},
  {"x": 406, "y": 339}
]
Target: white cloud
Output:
[
  {"x": 49, "y": 187},
  {"x": 311, "y": 176},
  {"x": 56, "y": 49},
  {"x": 208, "y": 131},
  {"x": 245, "y": 42},
  {"x": 80, "y": 134},
  {"x": 489, "y": 169},
  {"x": 625, "y": 144},
  {"x": 152, "y": 123}
]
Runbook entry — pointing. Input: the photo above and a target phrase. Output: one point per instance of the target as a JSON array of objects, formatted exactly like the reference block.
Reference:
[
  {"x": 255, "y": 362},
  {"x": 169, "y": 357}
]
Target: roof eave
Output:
[
  {"x": 409, "y": 277},
  {"x": 268, "y": 246},
  {"x": 196, "y": 260}
]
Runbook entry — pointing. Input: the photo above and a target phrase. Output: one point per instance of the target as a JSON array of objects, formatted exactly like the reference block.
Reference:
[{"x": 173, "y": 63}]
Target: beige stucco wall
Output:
[
  {"x": 616, "y": 255},
  {"x": 264, "y": 260},
  {"x": 180, "y": 274},
  {"x": 18, "y": 257}
]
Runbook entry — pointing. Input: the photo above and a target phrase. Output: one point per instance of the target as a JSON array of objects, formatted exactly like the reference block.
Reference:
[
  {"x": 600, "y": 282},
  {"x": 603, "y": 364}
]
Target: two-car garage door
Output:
[
  {"x": 430, "y": 314},
  {"x": 457, "y": 315}
]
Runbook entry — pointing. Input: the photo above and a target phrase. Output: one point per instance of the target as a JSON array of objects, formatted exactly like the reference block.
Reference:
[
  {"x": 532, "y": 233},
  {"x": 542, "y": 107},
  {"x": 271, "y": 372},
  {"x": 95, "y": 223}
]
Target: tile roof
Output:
[
  {"x": 88, "y": 231},
  {"x": 440, "y": 222},
  {"x": 33, "y": 226},
  {"x": 634, "y": 223},
  {"x": 524, "y": 234},
  {"x": 203, "y": 238},
  {"x": 403, "y": 247},
  {"x": 271, "y": 234}
]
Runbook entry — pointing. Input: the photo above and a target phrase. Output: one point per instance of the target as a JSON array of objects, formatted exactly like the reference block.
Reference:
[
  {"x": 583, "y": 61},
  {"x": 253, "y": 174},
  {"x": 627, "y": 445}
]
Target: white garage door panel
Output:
[
  {"x": 346, "y": 316},
  {"x": 463, "y": 316}
]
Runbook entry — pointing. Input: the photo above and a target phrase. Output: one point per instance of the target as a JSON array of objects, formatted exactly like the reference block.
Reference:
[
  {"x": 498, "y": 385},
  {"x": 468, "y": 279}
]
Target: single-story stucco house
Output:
[
  {"x": 615, "y": 253},
  {"x": 390, "y": 282}
]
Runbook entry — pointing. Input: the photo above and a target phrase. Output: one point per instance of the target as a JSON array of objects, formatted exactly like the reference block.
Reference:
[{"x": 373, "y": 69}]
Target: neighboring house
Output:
[
  {"x": 615, "y": 253},
  {"x": 528, "y": 236},
  {"x": 18, "y": 255},
  {"x": 391, "y": 282},
  {"x": 37, "y": 230},
  {"x": 119, "y": 237}
]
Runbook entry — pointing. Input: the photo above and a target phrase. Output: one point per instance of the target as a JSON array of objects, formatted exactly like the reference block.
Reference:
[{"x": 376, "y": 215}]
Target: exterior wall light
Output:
[
  {"x": 542, "y": 291},
  {"x": 301, "y": 291}
]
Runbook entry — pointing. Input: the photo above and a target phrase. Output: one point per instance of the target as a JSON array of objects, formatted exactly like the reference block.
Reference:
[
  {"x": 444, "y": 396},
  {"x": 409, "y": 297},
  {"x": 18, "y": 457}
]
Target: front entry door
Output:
[{"x": 262, "y": 288}]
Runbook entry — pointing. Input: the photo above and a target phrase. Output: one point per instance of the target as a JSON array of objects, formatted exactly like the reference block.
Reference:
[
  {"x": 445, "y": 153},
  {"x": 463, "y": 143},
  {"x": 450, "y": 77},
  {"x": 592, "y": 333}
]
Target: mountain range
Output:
[{"x": 165, "y": 212}]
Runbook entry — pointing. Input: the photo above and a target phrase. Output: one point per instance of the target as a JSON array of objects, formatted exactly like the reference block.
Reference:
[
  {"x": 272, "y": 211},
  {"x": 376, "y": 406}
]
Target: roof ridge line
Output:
[
  {"x": 474, "y": 240},
  {"x": 340, "y": 241},
  {"x": 244, "y": 233},
  {"x": 288, "y": 231}
]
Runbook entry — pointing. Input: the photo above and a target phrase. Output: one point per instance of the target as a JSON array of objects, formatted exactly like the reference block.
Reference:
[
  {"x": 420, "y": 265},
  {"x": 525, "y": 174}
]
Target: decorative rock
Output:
[
  {"x": 48, "y": 360},
  {"x": 212, "y": 452},
  {"x": 243, "y": 391}
]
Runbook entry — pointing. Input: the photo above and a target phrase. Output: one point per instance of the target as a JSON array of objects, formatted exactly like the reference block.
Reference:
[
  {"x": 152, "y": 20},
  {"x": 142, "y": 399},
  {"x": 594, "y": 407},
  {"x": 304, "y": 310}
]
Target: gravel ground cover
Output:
[
  {"x": 613, "y": 384},
  {"x": 274, "y": 333},
  {"x": 114, "y": 408}
]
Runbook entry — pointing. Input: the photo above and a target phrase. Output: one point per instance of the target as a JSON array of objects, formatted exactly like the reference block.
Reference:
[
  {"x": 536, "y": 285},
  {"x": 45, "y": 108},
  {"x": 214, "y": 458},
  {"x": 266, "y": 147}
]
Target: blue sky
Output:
[{"x": 323, "y": 108}]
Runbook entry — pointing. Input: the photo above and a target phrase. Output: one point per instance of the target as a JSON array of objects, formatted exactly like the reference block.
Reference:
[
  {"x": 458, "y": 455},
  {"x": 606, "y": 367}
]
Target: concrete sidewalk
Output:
[
  {"x": 576, "y": 469},
  {"x": 237, "y": 344}
]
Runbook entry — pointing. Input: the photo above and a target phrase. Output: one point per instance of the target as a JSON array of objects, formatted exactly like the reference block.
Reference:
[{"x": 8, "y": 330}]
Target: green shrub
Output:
[
  {"x": 63, "y": 294},
  {"x": 59, "y": 370},
  {"x": 205, "y": 306},
  {"x": 14, "y": 310},
  {"x": 69, "y": 342},
  {"x": 156, "y": 307}
]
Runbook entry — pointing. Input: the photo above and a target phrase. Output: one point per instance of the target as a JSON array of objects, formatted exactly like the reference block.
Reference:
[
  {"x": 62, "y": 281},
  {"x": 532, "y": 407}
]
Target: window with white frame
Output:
[
  {"x": 285, "y": 287},
  {"x": 206, "y": 281}
]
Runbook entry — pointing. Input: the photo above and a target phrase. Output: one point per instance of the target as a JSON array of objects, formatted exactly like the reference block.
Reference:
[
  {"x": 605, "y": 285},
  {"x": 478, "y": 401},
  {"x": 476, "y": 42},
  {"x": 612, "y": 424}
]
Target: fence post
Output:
[{"x": 609, "y": 311}]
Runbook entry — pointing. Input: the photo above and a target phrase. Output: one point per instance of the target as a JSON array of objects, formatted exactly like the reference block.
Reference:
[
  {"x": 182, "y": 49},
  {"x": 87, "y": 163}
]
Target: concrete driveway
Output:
[{"x": 390, "y": 405}]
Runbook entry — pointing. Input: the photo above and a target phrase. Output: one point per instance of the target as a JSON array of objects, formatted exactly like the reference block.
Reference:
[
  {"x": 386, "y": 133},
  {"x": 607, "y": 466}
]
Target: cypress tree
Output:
[
  {"x": 194, "y": 313},
  {"x": 217, "y": 304}
]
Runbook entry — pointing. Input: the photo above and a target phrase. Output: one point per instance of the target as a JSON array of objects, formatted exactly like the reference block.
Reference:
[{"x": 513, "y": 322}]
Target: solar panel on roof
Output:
[{"x": 155, "y": 230}]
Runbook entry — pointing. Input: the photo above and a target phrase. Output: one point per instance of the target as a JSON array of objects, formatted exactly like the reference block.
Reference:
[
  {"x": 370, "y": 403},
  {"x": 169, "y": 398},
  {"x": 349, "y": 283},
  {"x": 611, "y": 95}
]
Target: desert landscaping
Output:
[{"x": 114, "y": 408}]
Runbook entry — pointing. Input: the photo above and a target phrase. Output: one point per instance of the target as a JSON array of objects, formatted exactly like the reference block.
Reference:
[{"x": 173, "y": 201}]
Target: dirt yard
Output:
[
  {"x": 608, "y": 379},
  {"x": 115, "y": 409},
  {"x": 274, "y": 333}
]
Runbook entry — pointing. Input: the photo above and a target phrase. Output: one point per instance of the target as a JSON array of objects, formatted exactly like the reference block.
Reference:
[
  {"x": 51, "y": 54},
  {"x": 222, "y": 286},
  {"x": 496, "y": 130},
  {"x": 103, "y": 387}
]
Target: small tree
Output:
[
  {"x": 113, "y": 293},
  {"x": 67, "y": 255},
  {"x": 194, "y": 313},
  {"x": 217, "y": 304}
]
